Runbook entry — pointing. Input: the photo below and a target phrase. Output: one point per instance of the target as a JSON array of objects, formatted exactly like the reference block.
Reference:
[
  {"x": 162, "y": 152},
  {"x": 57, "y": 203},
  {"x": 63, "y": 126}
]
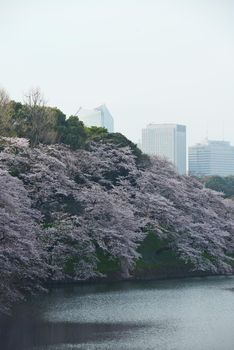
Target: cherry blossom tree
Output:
[
  {"x": 65, "y": 205},
  {"x": 21, "y": 263}
]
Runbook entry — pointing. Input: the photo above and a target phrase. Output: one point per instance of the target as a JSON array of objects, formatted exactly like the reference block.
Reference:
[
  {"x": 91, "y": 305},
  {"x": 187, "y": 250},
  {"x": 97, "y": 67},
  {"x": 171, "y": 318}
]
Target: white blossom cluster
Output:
[{"x": 17, "y": 142}]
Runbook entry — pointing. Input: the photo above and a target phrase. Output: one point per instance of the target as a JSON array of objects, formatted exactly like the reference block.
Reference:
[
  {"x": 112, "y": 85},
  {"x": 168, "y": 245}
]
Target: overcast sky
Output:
[{"x": 148, "y": 60}]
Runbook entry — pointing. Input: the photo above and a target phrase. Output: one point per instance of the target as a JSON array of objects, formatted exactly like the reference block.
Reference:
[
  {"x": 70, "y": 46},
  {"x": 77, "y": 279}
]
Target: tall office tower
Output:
[
  {"x": 99, "y": 117},
  {"x": 211, "y": 158},
  {"x": 166, "y": 140}
]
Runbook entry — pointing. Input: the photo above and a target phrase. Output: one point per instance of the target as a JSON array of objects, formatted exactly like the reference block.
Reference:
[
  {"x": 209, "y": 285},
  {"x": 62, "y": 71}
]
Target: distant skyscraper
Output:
[
  {"x": 211, "y": 158},
  {"x": 99, "y": 117},
  {"x": 166, "y": 140}
]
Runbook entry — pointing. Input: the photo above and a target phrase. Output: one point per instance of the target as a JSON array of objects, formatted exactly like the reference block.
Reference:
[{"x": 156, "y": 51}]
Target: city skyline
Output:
[
  {"x": 137, "y": 140},
  {"x": 82, "y": 113},
  {"x": 161, "y": 61}
]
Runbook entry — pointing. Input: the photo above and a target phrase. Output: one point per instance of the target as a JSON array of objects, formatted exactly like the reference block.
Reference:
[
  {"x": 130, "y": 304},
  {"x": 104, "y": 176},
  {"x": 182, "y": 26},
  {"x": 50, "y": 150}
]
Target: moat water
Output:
[{"x": 185, "y": 314}]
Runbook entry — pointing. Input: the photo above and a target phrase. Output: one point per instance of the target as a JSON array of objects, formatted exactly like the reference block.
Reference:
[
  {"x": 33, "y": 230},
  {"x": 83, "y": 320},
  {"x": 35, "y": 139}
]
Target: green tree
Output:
[
  {"x": 221, "y": 184},
  {"x": 4, "y": 115},
  {"x": 73, "y": 133},
  {"x": 96, "y": 133},
  {"x": 37, "y": 117}
]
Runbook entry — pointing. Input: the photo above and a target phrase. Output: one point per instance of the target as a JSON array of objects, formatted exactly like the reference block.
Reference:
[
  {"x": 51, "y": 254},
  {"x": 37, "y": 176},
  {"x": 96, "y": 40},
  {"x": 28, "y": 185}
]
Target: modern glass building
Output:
[
  {"x": 211, "y": 158},
  {"x": 99, "y": 117},
  {"x": 166, "y": 140}
]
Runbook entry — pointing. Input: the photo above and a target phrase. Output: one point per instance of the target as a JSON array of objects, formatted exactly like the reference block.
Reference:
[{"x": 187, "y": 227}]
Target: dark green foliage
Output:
[
  {"x": 80, "y": 179},
  {"x": 46, "y": 225},
  {"x": 107, "y": 264},
  {"x": 19, "y": 169},
  {"x": 39, "y": 124},
  {"x": 73, "y": 133},
  {"x": 156, "y": 253},
  {"x": 14, "y": 172},
  {"x": 70, "y": 205},
  {"x": 60, "y": 202},
  {"x": 157, "y": 258},
  {"x": 221, "y": 184},
  {"x": 95, "y": 133},
  {"x": 70, "y": 265},
  {"x": 47, "y": 125},
  {"x": 113, "y": 176}
]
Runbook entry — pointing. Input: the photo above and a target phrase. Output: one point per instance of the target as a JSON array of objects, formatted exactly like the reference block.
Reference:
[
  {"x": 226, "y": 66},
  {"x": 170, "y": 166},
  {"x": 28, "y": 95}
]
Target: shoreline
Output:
[{"x": 62, "y": 284}]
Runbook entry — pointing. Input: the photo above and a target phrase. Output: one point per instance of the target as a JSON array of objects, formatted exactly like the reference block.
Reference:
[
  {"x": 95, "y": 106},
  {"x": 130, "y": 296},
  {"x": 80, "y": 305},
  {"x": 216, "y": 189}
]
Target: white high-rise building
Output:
[
  {"x": 211, "y": 158},
  {"x": 99, "y": 117},
  {"x": 166, "y": 140}
]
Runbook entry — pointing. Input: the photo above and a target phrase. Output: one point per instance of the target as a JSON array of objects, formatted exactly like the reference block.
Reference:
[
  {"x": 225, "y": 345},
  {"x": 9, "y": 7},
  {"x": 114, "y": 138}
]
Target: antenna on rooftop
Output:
[
  {"x": 76, "y": 114},
  {"x": 222, "y": 131},
  {"x": 207, "y": 131}
]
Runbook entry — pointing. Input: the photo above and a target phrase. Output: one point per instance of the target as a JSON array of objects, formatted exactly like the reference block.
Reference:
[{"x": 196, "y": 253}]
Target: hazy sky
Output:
[{"x": 148, "y": 60}]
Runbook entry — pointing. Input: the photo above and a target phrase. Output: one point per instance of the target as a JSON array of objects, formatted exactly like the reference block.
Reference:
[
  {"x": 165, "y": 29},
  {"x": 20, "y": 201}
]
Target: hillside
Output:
[{"x": 89, "y": 213}]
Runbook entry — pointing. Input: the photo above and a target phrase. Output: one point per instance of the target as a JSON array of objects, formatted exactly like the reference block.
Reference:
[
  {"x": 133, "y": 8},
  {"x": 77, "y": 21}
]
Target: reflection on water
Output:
[
  {"x": 27, "y": 334},
  {"x": 190, "y": 314}
]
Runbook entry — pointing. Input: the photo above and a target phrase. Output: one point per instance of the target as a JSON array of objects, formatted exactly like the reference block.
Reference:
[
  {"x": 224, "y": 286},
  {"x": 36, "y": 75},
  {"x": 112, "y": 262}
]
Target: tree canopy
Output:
[
  {"x": 42, "y": 124},
  {"x": 221, "y": 184},
  {"x": 69, "y": 194},
  {"x": 61, "y": 207}
]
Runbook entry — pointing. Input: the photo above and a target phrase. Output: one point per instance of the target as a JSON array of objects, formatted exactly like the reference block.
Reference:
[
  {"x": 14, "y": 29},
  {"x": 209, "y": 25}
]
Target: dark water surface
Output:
[{"x": 188, "y": 314}]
